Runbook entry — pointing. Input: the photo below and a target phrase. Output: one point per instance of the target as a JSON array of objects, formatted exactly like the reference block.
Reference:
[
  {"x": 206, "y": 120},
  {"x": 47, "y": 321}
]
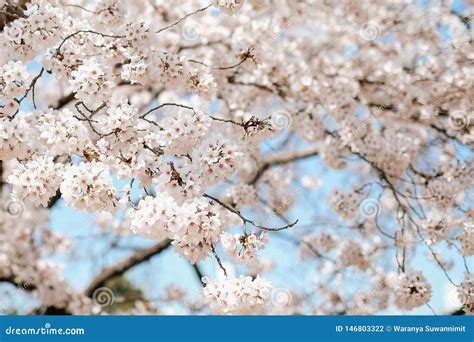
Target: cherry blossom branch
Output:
[
  {"x": 406, "y": 209},
  {"x": 164, "y": 105},
  {"x": 89, "y": 119},
  {"x": 218, "y": 67},
  {"x": 232, "y": 80},
  {"x": 198, "y": 45},
  {"x": 83, "y": 31},
  {"x": 243, "y": 57},
  {"x": 449, "y": 136},
  {"x": 32, "y": 88},
  {"x": 253, "y": 122},
  {"x": 197, "y": 270},
  {"x": 246, "y": 220},
  {"x": 213, "y": 249},
  {"x": 183, "y": 18},
  {"x": 281, "y": 159},
  {"x": 84, "y": 9}
]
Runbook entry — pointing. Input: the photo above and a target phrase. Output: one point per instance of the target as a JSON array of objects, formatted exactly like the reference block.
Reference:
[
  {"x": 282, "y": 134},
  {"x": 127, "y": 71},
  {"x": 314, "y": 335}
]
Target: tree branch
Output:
[
  {"x": 281, "y": 159},
  {"x": 120, "y": 268}
]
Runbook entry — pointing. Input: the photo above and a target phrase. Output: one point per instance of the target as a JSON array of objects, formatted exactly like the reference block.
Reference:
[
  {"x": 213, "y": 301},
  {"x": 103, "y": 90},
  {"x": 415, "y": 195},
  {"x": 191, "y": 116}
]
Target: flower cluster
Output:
[
  {"x": 16, "y": 137},
  {"x": 331, "y": 154},
  {"x": 14, "y": 79},
  {"x": 194, "y": 227},
  {"x": 201, "y": 84},
  {"x": 352, "y": 254},
  {"x": 437, "y": 227},
  {"x": 123, "y": 143},
  {"x": 25, "y": 243},
  {"x": 467, "y": 239},
  {"x": 412, "y": 291},
  {"x": 171, "y": 68},
  {"x": 390, "y": 152},
  {"x": 201, "y": 229},
  {"x": 345, "y": 204},
  {"x": 43, "y": 20},
  {"x": 38, "y": 180},
  {"x": 92, "y": 81},
  {"x": 441, "y": 192},
  {"x": 88, "y": 187},
  {"x": 241, "y": 195},
  {"x": 229, "y": 6},
  {"x": 243, "y": 248},
  {"x": 60, "y": 132},
  {"x": 242, "y": 295},
  {"x": 182, "y": 130},
  {"x": 179, "y": 180},
  {"x": 310, "y": 126},
  {"x": 134, "y": 70},
  {"x": 35, "y": 30},
  {"x": 155, "y": 217},
  {"x": 217, "y": 157}
]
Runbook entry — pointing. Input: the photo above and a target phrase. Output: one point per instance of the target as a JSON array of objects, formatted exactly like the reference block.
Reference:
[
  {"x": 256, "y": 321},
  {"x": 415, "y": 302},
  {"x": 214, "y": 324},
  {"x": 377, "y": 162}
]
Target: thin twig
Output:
[
  {"x": 83, "y": 31},
  {"x": 164, "y": 105},
  {"x": 218, "y": 260},
  {"x": 183, "y": 18},
  {"x": 242, "y": 60},
  {"x": 246, "y": 220}
]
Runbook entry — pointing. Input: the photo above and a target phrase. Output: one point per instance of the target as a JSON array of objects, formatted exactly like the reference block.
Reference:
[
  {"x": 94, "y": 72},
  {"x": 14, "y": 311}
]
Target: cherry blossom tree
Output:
[{"x": 212, "y": 128}]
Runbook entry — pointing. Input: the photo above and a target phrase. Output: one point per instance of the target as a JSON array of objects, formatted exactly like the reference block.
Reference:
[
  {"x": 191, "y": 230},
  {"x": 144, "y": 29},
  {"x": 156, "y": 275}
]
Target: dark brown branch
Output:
[
  {"x": 218, "y": 260},
  {"x": 123, "y": 266},
  {"x": 198, "y": 272},
  {"x": 281, "y": 159},
  {"x": 53, "y": 200},
  {"x": 11, "y": 12},
  {"x": 64, "y": 101},
  {"x": 32, "y": 88},
  {"x": 26, "y": 286}
]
